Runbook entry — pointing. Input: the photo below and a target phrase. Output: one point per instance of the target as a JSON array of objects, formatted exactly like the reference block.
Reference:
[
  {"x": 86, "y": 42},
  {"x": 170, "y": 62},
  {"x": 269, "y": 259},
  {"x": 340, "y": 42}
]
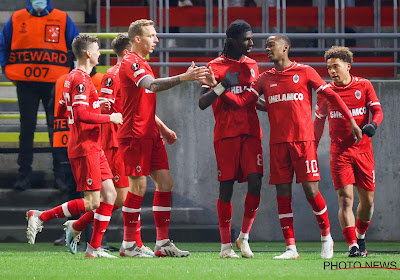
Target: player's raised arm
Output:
[
  {"x": 192, "y": 73},
  {"x": 212, "y": 89}
]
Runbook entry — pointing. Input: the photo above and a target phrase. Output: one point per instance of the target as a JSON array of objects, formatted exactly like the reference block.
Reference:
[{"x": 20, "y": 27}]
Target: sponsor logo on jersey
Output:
[
  {"x": 253, "y": 73},
  {"x": 135, "y": 66},
  {"x": 354, "y": 112},
  {"x": 81, "y": 88},
  {"x": 89, "y": 181},
  {"x": 273, "y": 85},
  {"x": 296, "y": 78},
  {"x": 109, "y": 82},
  {"x": 285, "y": 97},
  {"x": 357, "y": 94},
  {"x": 96, "y": 104},
  {"x": 238, "y": 89},
  {"x": 148, "y": 91}
]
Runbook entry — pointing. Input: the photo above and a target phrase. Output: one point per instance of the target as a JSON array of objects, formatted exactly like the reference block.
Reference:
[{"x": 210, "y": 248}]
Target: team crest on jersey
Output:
[
  {"x": 358, "y": 94},
  {"x": 109, "y": 82},
  {"x": 89, "y": 181},
  {"x": 253, "y": 74},
  {"x": 138, "y": 168},
  {"x": 296, "y": 78},
  {"x": 116, "y": 178},
  {"x": 81, "y": 88},
  {"x": 135, "y": 66}
]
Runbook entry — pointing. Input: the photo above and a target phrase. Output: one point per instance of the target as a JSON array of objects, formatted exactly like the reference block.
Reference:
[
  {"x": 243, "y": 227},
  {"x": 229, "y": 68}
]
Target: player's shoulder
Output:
[
  {"x": 303, "y": 67},
  {"x": 265, "y": 75},
  {"x": 249, "y": 60},
  {"x": 362, "y": 82},
  {"x": 78, "y": 76},
  {"x": 218, "y": 60}
]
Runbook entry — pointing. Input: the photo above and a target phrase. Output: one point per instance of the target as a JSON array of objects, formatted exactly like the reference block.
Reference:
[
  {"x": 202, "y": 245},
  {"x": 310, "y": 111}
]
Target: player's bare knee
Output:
[
  {"x": 110, "y": 196},
  {"x": 165, "y": 186},
  {"x": 92, "y": 204},
  {"x": 345, "y": 202}
]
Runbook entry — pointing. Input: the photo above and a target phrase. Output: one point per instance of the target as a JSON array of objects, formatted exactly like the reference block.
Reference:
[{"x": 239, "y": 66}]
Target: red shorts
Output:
[
  {"x": 237, "y": 157},
  {"x": 142, "y": 155},
  {"x": 357, "y": 169},
  {"x": 298, "y": 157},
  {"x": 90, "y": 171},
  {"x": 117, "y": 168}
]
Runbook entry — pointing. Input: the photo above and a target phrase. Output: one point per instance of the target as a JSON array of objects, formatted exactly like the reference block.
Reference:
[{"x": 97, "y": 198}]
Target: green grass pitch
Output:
[{"x": 45, "y": 261}]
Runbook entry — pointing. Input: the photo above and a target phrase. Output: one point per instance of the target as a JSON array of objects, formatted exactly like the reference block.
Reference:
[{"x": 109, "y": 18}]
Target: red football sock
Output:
[
  {"x": 162, "y": 213},
  {"x": 67, "y": 209},
  {"x": 86, "y": 219},
  {"x": 321, "y": 213},
  {"x": 250, "y": 209},
  {"x": 224, "y": 218},
  {"x": 131, "y": 211},
  {"x": 138, "y": 234},
  {"x": 83, "y": 221},
  {"x": 362, "y": 227},
  {"x": 102, "y": 218},
  {"x": 285, "y": 213},
  {"x": 350, "y": 235}
]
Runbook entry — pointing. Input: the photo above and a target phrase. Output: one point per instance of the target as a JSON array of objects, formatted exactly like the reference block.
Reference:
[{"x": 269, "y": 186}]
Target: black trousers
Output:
[{"x": 29, "y": 96}]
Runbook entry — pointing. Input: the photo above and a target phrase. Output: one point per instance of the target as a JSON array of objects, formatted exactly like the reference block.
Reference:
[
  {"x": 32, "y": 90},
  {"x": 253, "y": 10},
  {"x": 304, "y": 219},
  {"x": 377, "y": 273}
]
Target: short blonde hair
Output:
[
  {"x": 342, "y": 53},
  {"x": 136, "y": 27}
]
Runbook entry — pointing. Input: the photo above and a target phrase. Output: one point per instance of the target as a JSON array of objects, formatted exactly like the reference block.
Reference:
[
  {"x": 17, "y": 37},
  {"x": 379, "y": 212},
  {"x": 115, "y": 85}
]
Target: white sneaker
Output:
[
  {"x": 290, "y": 253},
  {"x": 97, "y": 253},
  {"x": 243, "y": 245},
  {"x": 185, "y": 3},
  {"x": 147, "y": 250},
  {"x": 169, "y": 250},
  {"x": 72, "y": 236},
  {"x": 134, "y": 251},
  {"x": 327, "y": 247},
  {"x": 35, "y": 225},
  {"x": 228, "y": 253}
]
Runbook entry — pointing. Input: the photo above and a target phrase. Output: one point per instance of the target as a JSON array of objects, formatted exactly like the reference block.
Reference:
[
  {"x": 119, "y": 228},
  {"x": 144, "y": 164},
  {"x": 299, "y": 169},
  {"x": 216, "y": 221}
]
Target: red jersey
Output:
[
  {"x": 230, "y": 121},
  {"x": 110, "y": 90},
  {"x": 84, "y": 138},
  {"x": 138, "y": 103},
  {"x": 359, "y": 96},
  {"x": 288, "y": 97}
]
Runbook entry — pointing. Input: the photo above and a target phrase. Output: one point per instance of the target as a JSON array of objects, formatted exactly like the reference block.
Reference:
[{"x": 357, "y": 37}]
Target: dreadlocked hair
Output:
[{"x": 235, "y": 29}]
